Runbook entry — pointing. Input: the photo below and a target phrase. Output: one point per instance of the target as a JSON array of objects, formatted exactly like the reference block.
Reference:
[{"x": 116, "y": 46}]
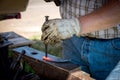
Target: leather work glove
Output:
[
  {"x": 81, "y": 75},
  {"x": 55, "y": 30},
  {"x": 78, "y": 74}
]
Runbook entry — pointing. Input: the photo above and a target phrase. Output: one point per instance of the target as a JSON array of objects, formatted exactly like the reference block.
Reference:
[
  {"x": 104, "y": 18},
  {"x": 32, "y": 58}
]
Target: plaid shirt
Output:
[{"x": 76, "y": 8}]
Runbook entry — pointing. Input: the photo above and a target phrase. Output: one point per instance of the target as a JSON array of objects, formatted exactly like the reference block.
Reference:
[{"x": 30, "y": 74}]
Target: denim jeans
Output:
[
  {"x": 95, "y": 56},
  {"x": 115, "y": 73}
]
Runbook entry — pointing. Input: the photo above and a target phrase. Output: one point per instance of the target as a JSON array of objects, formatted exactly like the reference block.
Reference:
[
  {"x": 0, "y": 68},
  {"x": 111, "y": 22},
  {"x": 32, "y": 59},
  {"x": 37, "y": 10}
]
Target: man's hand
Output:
[{"x": 53, "y": 31}]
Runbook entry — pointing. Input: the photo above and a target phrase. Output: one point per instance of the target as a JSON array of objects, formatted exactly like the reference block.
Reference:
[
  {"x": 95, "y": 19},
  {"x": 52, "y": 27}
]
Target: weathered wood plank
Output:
[{"x": 49, "y": 70}]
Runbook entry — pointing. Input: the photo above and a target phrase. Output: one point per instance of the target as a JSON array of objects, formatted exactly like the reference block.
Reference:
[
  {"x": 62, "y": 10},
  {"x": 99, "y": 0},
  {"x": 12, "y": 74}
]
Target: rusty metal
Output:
[
  {"x": 17, "y": 61},
  {"x": 49, "y": 70}
]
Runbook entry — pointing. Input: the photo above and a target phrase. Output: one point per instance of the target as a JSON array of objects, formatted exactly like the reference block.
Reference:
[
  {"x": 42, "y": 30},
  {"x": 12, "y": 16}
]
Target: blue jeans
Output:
[
  {"x": 115, "y": 73},
  {"x": 95, "y": 56}
]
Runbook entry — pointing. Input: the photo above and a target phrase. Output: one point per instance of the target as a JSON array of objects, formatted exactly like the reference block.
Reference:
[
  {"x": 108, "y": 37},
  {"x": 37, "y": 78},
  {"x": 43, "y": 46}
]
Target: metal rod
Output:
[
  {"x": 46, "y": 45},
  {"x": 46, "y": 50}
]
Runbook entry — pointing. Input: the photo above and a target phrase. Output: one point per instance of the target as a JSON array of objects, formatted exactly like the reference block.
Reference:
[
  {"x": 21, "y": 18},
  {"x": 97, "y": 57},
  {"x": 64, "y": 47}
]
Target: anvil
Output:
[{"x": 49, "y": 70}]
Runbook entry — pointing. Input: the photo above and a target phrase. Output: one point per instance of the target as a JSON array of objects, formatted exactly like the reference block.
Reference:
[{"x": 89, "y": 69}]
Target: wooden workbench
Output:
[{"x": 51, "y": 70}]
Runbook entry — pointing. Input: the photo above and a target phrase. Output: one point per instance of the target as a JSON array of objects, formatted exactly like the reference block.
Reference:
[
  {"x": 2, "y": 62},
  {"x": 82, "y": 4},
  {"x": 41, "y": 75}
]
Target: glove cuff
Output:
[{"x": 77, "y": 27}]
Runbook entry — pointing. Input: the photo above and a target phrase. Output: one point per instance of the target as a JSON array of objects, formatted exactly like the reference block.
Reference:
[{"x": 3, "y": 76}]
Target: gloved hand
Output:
[
  {"x": 78, "y": 74},
  {"x": 81, "y": 75},
  {"x": 53, "y": 31}
]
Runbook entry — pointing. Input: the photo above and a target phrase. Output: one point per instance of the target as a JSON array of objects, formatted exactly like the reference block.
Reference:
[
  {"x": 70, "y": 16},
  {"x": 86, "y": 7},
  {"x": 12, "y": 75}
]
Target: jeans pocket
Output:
[{"x": 116, "y": 43}]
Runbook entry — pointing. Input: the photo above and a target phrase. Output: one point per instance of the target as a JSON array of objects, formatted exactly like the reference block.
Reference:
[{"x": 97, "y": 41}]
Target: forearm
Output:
[{"x": 103, "y": 18}]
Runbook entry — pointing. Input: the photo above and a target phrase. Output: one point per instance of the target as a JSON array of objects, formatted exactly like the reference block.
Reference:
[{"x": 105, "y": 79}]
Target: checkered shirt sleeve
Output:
[{"x": 76, "y": 8}]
